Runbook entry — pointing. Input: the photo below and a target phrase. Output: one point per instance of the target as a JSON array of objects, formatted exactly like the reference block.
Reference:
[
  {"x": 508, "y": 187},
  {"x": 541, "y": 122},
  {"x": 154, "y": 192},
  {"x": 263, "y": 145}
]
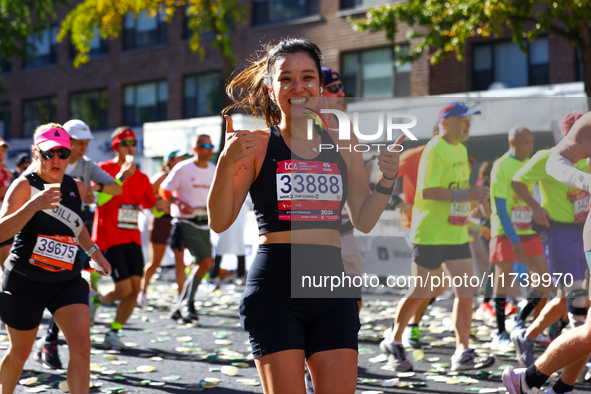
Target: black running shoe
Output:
[{"x": 47, "y": 353}]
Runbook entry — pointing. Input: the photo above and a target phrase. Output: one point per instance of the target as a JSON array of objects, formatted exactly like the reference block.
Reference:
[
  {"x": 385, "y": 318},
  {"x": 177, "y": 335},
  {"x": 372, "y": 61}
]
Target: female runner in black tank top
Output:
[
  {"x": 43, "y": 269},
  {"x": 285, "y": 331}
]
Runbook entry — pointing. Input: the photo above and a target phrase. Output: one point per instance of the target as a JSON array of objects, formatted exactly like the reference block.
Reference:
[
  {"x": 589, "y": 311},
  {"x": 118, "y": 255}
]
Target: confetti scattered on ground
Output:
[{"x": 214, "y": 354}]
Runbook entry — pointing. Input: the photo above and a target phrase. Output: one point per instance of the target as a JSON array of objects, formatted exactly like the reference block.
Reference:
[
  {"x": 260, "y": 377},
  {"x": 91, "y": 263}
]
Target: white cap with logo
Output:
[{"x": 78, "y": 130}]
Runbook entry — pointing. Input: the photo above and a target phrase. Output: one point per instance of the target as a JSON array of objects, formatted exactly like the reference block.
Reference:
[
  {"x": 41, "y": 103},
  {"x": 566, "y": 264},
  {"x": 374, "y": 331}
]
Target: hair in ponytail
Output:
[{"x": 249, "y": 89}]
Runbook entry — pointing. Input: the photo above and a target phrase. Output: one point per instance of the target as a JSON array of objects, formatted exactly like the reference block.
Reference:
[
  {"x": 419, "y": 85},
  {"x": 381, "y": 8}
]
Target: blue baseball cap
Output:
[
  {"x": 329, "y": 76},
  {"x": 456, "y": 108}
]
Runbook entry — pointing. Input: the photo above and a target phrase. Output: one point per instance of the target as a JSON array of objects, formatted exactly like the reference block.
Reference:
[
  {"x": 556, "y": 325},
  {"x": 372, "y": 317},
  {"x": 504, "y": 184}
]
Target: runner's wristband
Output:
[
  {"x": 384, "y": 190},
  {"x": 460, "y": 195},
  {"x": 390, "y": 179},
  {"x": 93, "y": 249}
]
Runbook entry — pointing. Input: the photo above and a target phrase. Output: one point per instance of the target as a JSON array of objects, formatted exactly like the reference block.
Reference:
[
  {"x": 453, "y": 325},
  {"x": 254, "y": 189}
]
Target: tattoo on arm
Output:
[{"x": 241, "y": 167}]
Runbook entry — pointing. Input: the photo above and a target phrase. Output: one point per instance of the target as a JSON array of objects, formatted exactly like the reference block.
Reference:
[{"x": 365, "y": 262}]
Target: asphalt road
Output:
[{"x": 186, "y": 358}]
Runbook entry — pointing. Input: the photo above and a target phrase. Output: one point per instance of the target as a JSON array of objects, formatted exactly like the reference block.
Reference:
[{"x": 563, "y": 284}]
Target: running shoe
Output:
[
  {"x": 502, "y": 342},
  {"x": 112, "y": 341},
  {"x": 518, "y": 324},
  {"x": 176, "y": 315},
  {"x": 543, "y": 339},
  {"x": 411, "y": 337},
  {"x": 46, "y": 353},
  {"x": 514, "y": 381},
  {"x": 142, "y": 300},
  {"x": 510, "y": 309},
  {"x": 486, "y": 311},
  {"x": 470, "y": 360},
  {"x": 396, "y": 355},
  {"x": 189, "y": 312},
  {"x": 524, "y": 348},
  {"x": 551, "y": 391}
]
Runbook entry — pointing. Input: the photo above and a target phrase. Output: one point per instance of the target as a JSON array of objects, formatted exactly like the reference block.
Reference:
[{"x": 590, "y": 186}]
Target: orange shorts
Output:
[{"x": 501, "y": 249}]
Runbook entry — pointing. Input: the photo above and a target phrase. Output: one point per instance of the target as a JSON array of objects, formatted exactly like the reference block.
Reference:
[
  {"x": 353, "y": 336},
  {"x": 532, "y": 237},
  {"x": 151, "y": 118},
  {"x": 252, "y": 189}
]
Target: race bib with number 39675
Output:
[{"x": 54, "y": 252}]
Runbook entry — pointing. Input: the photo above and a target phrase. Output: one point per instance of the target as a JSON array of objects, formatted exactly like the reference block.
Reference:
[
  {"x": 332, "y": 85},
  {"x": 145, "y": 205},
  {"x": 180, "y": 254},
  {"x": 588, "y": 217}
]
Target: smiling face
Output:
[{"x": 295, "y": 85}]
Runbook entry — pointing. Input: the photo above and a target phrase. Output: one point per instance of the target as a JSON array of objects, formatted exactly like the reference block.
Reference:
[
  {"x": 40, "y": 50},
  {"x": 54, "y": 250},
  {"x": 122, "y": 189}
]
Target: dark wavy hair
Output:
[{"x": 248, "y": 89}]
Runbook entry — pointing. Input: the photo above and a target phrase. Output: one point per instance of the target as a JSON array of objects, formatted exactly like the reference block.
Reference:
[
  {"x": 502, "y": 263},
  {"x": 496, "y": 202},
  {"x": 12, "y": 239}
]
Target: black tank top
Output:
[
  {"x": 291, "y": 193},
  {"x": 46, "y": 249}
]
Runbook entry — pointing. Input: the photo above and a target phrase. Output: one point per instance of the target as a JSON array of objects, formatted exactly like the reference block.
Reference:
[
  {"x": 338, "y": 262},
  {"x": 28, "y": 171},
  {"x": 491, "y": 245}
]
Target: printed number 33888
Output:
[{"x": 311, "y": 183}]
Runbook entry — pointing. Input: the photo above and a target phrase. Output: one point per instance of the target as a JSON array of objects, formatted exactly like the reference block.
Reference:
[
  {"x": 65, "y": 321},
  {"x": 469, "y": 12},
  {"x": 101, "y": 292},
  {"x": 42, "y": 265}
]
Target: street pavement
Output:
[{"x": 166, "y": 356}]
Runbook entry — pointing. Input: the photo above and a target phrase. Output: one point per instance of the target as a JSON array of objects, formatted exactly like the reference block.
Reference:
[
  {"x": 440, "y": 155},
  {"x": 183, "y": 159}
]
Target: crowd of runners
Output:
[{"x": 49, "y": 235}]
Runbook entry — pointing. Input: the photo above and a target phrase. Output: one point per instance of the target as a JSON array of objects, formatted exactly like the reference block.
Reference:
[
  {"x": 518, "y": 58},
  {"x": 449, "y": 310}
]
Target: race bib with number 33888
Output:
[{"x": 309, "y": 190}]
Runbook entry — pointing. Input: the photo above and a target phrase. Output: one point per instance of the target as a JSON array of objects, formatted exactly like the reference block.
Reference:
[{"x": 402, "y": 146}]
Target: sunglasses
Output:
[
  {"x": 62, "y": 153},
  {"x": 206, "y": 146},
  {"x": 128, "y": 142},
  {"x": 334, "y": 88}
]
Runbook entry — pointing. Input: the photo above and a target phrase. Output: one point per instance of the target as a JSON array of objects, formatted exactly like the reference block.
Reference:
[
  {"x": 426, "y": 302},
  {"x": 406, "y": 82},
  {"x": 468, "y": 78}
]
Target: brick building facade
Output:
[{"x": 121, "y": 80}]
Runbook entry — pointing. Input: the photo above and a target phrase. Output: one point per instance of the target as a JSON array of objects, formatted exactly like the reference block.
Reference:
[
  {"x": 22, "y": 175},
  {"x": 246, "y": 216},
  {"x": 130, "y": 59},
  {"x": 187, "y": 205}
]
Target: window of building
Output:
[
  {"x": 346, "y": 4},
  {"x": 45, "y": 53},
  {"x": 375, "y": 73},
  {"x": 91, "y": 107},
  {"x": 202, "y": 95},
  {"x": 145, "y": 102},
  {"x": 273, "y": 11},
  {"x": 503, "y": 62},
  {"x": 144, "y": 31},
  {"x": 37, "y": 112},
  {"x": 98, "y": 46},
  {"x": 5, "y": 121},
  {"x": 578, "y": 65},
  {"x": 5, "y": 66}
]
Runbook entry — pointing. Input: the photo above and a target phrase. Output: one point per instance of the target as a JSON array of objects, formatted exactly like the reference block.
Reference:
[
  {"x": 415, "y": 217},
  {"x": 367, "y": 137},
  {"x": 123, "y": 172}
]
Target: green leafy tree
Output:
[
  {"x": 205, "y": 16},
  {"x": 443, "y": 26},
  {"x": 18, "y": 20},
  {"x": 217, "y": 17}
]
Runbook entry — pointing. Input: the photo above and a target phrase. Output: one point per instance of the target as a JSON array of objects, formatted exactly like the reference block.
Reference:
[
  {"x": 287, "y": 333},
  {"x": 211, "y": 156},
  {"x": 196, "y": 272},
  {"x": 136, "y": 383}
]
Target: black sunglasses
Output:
[
  {"x": 334, "y": 88},
  {"x": 128, "y": 142},
  {"x": 62, "y": 153},
  {"x": 206, "y": 146}
]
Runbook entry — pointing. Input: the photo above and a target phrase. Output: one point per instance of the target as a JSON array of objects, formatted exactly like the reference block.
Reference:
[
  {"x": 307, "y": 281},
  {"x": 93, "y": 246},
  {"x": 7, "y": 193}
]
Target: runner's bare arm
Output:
[
  {"x": 364, "y": 208},
  {"x": 86, "y": 243},
  {"x": 574, "y": 147},
  {"x": 540, "y": 215},
  {"x": 476, "y": 193},
  {"x": 18, "y": 207},
  {"x": 233, "y": 177}
]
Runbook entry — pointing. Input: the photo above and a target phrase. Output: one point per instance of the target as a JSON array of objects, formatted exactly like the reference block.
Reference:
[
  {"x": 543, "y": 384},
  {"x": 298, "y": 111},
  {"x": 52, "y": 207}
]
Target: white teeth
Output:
[{"x": 298, "y": 101}]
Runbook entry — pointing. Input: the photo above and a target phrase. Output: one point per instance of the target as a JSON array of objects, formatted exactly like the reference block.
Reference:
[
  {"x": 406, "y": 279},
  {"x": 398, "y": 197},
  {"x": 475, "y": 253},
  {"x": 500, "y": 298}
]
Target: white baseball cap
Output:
[{"x": 78, "y": 130}]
